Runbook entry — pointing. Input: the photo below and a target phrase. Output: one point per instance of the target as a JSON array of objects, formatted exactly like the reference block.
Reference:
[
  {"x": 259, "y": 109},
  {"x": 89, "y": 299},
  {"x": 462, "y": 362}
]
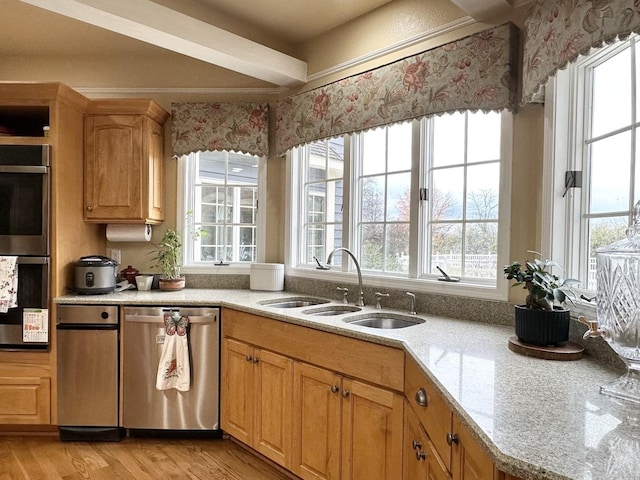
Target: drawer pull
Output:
[
  {"x": 452, "y": 438},
  {"x": 421, "y": 397}
]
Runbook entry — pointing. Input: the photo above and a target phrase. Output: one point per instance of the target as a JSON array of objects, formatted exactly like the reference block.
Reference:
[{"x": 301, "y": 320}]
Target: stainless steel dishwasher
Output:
[
  {"x": 144, "y": 336},
  {"x": 88, "y": 365}
]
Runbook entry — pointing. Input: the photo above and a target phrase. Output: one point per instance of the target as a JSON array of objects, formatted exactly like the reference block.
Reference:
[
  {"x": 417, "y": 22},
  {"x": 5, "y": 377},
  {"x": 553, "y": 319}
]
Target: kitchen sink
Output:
[
  {"x": 331, "y": 310},
  {"x": 294, "y": 302},
  {"x": 383, "y": 320}
]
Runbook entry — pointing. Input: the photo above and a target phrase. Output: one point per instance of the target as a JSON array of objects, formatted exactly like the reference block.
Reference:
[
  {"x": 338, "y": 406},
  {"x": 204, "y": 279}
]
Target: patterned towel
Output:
[
  {"x": 8, "y": 283},
  {"x": 174, "y": 370}
]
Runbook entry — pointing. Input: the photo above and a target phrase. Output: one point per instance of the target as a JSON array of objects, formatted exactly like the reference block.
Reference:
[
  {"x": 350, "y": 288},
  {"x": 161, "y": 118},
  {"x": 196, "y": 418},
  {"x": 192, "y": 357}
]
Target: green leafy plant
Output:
[
  {"x": 168, "y": 254},
  {"x": 545, "y": 289}
]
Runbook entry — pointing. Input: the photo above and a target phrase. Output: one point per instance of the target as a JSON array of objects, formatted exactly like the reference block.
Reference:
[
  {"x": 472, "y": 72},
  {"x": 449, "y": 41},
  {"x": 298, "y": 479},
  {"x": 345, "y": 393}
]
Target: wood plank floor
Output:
[{"x": 46, "y": 457}]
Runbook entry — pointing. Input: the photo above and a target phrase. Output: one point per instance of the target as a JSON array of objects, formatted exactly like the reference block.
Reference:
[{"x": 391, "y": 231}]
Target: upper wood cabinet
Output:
[{"x": 123, "y": 156}]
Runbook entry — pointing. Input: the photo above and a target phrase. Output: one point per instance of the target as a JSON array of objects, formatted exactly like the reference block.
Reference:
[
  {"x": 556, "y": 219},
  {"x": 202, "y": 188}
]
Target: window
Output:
[
  {"x": 407, "y": 199},
  {"x": 596, "y": 130},
  {"x": 220, "y": 206}
]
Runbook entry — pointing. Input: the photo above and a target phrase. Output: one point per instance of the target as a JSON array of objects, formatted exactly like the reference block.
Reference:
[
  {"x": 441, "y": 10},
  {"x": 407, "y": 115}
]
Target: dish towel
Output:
[
  {"x": 8, "y": 283},
  {"x": 174, "y": 370}
]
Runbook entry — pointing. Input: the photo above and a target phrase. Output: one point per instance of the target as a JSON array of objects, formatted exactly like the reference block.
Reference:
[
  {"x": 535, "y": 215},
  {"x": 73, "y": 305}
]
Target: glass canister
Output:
[{"x": 618, "y": 307}]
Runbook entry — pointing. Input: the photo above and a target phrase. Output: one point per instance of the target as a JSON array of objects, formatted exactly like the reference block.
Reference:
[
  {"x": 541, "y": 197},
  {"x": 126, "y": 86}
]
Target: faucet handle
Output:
[
  {"x": 380, "y": 296},
  {"x": 345, "y": 293},
  {"x": 412, "y": 296}
]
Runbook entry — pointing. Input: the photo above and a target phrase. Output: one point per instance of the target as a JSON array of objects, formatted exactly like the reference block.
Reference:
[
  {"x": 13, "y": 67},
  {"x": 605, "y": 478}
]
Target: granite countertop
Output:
[{"x": 538, "y": 419}]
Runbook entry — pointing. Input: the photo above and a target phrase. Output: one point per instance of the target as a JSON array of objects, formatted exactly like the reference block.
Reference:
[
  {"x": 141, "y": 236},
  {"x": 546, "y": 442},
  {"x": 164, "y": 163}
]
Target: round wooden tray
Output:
[{"x": 564, "y": 351}]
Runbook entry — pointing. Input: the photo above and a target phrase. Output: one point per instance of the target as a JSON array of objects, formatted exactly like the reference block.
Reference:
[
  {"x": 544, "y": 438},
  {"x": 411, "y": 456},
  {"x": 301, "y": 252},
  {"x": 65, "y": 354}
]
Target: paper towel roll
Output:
[{"x": 128, "y": 232}]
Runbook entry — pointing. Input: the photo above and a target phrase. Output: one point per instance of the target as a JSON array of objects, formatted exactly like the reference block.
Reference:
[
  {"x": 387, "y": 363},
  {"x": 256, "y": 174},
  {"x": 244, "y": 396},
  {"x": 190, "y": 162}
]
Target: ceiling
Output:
[{"x": 258, "y": 38}]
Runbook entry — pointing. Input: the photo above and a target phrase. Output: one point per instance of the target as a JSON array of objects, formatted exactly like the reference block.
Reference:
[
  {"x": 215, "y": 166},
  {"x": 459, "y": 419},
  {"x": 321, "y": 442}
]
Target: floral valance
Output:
[
  {"x": 242, "y": 127},
  {"x": 478, "y": 72},
  {"x": 558, "y": 31}
]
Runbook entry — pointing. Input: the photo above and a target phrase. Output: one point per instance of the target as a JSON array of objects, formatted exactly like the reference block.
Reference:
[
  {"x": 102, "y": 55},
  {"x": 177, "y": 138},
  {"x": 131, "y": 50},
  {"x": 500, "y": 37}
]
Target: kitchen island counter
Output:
[{"x": 538, "y": 419}]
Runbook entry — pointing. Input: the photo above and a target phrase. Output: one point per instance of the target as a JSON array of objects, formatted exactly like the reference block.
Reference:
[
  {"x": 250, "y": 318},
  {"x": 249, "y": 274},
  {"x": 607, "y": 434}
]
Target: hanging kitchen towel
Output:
[
  {"x": 174, "y": 370},
  {"x": 8, "y": 283}
]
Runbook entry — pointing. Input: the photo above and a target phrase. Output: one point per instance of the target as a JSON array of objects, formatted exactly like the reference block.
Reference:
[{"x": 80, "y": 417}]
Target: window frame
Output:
[
  {"x": 183, "y": 207},
  {"x": 567, "y": 101},
  {"x": 499, "y": 291}
]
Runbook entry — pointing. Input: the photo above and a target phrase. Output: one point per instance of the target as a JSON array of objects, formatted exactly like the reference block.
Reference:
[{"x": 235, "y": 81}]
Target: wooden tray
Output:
[{"x": 564, "y": 351}]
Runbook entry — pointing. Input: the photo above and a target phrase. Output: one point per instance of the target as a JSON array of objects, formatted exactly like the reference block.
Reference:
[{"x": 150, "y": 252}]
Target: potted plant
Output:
[
  {"x": 543, "y": 319},
  {"x": 168, "y": 258}
]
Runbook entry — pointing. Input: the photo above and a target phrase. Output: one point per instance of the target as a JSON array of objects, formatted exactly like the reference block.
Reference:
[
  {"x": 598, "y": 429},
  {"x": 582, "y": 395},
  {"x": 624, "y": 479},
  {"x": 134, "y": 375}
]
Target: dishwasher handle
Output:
[
  {"x": 87, "y": 326},
  {"x": 193, "y": 319}
]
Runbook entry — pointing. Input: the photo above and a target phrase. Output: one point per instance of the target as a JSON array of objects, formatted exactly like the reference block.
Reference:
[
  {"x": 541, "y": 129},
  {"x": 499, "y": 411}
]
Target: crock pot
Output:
[{"x": 95, "y": 275}]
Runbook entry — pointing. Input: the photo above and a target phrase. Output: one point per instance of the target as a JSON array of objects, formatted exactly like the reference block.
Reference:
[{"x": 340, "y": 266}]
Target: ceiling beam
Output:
[
  {"x": 485, "y": 9},
  {"x": 158, "y": 25}
]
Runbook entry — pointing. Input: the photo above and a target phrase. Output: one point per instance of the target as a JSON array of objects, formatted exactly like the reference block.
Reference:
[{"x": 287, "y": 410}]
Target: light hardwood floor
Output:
[{"x": 46, "y": 457}]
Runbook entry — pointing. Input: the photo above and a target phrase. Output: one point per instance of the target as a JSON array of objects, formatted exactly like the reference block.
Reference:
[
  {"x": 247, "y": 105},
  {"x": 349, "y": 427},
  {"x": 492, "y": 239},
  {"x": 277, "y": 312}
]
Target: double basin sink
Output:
[{"x": 379, "y": 319}]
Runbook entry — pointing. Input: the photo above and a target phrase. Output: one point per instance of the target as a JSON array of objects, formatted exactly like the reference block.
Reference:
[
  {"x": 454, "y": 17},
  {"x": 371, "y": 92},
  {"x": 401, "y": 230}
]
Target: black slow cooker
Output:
[{"x": 95, "y": 275}]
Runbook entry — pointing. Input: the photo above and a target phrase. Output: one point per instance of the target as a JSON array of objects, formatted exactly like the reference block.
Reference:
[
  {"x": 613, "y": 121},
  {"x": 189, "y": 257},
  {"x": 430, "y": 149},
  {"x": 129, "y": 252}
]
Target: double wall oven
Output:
[{"x": 24, "y": 233}]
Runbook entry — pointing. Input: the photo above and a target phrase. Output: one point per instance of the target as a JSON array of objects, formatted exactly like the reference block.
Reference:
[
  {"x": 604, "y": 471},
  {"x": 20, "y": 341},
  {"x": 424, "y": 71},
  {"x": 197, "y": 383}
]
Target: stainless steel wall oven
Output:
[{"x": 24, "y": 232}]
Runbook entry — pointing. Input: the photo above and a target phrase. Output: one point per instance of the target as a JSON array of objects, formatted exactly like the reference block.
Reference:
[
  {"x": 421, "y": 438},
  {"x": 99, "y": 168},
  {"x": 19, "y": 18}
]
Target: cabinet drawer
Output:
[
  {"x": 378, "y": 364},
  {"x": 434, "y": 414}
]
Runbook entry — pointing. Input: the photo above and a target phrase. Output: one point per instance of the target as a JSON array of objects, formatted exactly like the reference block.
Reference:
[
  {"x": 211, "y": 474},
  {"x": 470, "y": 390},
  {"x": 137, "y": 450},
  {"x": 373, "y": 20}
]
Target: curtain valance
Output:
[
  {"x": 199, "y": 126},
  {"x": 478, "y": 72},
  {"x": 558, "y": 31}
]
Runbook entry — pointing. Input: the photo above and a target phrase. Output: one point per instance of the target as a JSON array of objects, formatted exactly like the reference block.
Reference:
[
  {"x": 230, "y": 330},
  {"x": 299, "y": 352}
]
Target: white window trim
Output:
[
  {"x": 420, "y": 285},
  {"x": 234, "y": 268}
]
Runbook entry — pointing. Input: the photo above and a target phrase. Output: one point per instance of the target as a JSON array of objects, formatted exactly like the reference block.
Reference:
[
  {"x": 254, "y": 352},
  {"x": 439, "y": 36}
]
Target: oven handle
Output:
[
  {"x": 193, "y": 319},
  {"x": 24, "y": 169},
  {"x": 23, "y": 260}
]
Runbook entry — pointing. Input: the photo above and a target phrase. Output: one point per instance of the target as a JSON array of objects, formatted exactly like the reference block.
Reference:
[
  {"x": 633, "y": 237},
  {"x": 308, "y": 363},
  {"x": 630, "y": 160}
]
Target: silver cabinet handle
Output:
[
  {"x": 417, "y": 444},
  {"x": 420, "y": 455},
  {"x": 256, "y": 359},
  {"x": 335, "y": 389},
  {"x": 421, "y": 397},
  {"x": 345, "y": 393},
  {"x": 452, "y": 438},
  {"x": 249, "y": 358}
]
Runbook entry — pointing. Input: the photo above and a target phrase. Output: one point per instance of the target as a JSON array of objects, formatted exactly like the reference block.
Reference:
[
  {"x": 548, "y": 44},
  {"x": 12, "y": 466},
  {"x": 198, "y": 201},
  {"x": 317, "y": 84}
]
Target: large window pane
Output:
[
  {"x": 400, "y": 147},
  {"x": 372, "y": 192},
  {"x": 397, "y": 248},
  {"x": 484, "y": 137},
  {"x": 483, "y": 185},
  {"x": 609, "y": 187},
  {"x": 481, "y": 250},
  {"x": 602, "y": 232},
  {"x": 398, "y": 196},
  {"x": 446, "y": 248},
  {"x": 372, "y": 247},
  {"x": 446, "y": 198},
  {"x": 448, "y": 130},
  {"x": 374, "y": 152},
  {"x": 612, "y": 94}
]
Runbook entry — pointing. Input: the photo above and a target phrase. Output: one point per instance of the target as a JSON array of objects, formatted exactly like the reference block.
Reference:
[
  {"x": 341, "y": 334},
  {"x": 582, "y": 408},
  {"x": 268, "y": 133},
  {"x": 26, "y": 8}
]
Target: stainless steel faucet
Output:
[
  {"x": 412, "y": 296},
  {"x": 360, "y": 301}
]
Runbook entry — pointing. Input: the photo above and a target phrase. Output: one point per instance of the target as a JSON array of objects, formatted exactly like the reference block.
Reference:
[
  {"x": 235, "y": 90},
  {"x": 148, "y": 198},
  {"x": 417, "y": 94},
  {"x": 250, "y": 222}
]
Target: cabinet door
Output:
[
  {"x": 274, "y": 402},
  {"x": 113, "y": 167},
  {"x": 236, "y": 392},
  {"x": 421, "y": 462},
  {"x": 372, "y": 420},
  {"x": 155, "y": 173},
  {"x": 25, "y": 400},
  {"x": 469, "y": 461},
  {"x": 316, "y": 423}
]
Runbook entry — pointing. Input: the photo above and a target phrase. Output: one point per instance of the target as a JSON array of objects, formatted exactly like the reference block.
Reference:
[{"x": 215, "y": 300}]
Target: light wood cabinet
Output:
[
  {"x": 421, "y": 461},
  {"x": 257, "y": 399},
  {"x": 344, "y": 428},
  {"x": 25, "y": 400},
  {"x": 469, "y": 461},
  {"x": 124, "y": 155}
]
